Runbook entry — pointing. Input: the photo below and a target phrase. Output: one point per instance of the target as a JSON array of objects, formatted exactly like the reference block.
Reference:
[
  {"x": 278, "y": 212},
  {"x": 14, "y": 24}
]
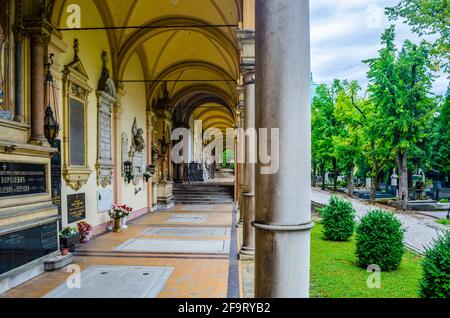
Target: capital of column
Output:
[
  {"x": 249, "y": 76},
  {"x": 39, "y": 30}
]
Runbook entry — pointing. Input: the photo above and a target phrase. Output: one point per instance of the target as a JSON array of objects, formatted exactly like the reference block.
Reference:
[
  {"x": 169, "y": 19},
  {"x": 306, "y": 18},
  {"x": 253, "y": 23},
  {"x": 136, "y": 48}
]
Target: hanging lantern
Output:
[{"x": 51, "y": 125}]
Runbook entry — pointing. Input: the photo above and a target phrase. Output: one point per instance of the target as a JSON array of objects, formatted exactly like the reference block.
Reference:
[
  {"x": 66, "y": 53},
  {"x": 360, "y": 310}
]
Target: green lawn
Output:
[{"x": 335, "y": 274}]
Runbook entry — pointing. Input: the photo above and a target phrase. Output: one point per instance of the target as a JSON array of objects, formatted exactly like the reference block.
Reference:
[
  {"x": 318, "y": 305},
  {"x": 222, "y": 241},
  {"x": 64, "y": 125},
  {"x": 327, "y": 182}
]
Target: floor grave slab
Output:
[
  {"x": 187, "y": 218},
  {"x": 198, "y": 208},
  {"x": 178, "y": 231},
  {"x": 175, "y": 246},
  {"x": 116, "y": 282}
]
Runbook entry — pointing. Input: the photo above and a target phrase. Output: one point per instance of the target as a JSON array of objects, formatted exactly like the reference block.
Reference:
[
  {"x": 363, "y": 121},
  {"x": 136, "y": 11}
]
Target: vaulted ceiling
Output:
[{"x": 191, "y": 44}]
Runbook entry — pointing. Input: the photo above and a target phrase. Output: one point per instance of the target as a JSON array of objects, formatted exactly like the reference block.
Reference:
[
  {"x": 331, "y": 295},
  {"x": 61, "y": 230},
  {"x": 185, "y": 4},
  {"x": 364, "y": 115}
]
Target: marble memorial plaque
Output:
[
  {"x": 20, "y": 179},
  {"x": 104, "y": 200},
  {"x": 77, "y": 130},
  {"x": 117, "y": 282},
  {"x": 76, "y": 207},
  {"x": 187, "y": 218},
  {"x": 180, "y": 231},
  {"x": 175, "y": 246}
]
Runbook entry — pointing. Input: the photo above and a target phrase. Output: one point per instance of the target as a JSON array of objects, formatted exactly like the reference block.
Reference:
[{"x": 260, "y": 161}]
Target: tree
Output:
[
  {"x": 324, "y": 127},
  {"x": 441, "y": 143},
  {"x": 347, "y": 144},
  {"x": 400, "y": 86},
  {"x": 428, "y": 17}
]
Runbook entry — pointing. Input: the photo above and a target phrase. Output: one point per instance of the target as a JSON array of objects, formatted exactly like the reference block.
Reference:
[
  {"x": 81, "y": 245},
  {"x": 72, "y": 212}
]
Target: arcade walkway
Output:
[{"x": 180, "y": 253}]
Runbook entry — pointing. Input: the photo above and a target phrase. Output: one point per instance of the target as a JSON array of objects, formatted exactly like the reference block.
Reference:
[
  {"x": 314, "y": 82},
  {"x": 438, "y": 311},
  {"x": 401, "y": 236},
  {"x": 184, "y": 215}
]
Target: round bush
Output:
[
  {"x": 435, "y": 282},
  {"x": 338, "y": 219},
  {"x": 379, "y": 240}
]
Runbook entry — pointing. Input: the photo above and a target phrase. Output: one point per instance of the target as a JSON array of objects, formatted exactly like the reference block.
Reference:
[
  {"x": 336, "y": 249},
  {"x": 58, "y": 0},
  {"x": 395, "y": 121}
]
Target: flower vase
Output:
[
  {"x": 116, "y": 226},
  {"x": 124, "y": 222}
]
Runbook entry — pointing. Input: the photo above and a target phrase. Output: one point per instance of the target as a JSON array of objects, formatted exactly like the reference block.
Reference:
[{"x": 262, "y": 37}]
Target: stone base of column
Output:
[
  {"x": 40, "y": 142},
  {"x": 246, "y": 254}
]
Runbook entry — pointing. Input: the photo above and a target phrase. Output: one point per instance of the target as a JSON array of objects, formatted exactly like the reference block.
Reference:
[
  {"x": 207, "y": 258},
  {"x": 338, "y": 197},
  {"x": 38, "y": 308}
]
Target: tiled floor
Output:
[{"x": 195, "y": 275}]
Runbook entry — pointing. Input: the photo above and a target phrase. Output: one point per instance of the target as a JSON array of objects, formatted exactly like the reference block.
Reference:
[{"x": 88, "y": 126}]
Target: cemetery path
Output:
[{"x": 421, "y": 230}]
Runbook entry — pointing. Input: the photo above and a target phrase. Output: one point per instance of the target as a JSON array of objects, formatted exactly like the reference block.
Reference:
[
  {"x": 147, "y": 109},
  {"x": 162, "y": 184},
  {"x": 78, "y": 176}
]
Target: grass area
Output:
[
  {"x": 335, "y": 274},
  {"x": 443, "y": 222}
]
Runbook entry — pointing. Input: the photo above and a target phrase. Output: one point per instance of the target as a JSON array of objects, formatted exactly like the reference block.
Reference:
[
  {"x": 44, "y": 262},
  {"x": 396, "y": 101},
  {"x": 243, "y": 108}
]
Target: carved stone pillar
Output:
[
  {"x": 283, "y": 205},
  {"x": 248, "y": 196},
  {"x": 18, "y": 39},
  {"x": 39, "y": 31},
  {"x": 117, "y": 122},
  {"x": 150, "y": 116}
]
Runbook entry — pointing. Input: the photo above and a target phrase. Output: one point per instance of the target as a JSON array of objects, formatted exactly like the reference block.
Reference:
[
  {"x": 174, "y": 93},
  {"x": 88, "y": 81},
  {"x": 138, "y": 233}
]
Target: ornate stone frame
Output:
[
  {"x": 106, "y": 95},
  {"x": 75, "y": 86}
]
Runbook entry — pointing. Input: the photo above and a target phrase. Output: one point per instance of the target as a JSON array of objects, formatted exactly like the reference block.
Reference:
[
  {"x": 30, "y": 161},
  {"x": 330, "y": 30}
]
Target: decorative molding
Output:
[
  {"x": 75, "y": 88},
  {"x": 106, "y": 95}
]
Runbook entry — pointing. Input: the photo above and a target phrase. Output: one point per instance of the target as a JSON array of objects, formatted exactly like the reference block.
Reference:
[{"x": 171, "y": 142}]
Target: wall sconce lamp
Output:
[{"x": 128, "y": 170}]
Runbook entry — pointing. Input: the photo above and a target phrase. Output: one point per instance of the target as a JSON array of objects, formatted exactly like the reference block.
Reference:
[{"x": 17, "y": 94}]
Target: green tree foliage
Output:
[
  {"x": 435, "y": 282},
  {"x": 428, "y": 17},
  {"x": 324, "y": 127},
  {"x": 400, "y": 86},
  {"x": 379, "y": 240},
  {"x": 338, "y": 219},
  {"x": 441, "y": 143}
]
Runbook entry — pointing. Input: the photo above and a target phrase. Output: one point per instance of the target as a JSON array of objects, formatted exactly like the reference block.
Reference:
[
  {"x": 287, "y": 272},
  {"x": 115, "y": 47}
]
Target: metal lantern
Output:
[
  {"x": 128, "y": 170},
  {"x": 51, "y": 125}
]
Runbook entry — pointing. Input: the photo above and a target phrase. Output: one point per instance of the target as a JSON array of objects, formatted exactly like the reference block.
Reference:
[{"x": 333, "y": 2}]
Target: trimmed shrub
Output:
[
  {"x": 435, "y": 282},
  {"x": 338, "y": 220},
  {"x": 379, "y": 240}
]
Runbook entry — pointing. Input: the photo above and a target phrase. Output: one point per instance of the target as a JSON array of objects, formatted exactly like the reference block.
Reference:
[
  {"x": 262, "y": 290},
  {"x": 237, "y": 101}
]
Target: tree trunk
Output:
[
  {"x": 373, "y": 190},
  {"x": 402, "y": 162},
  {"x": 335, "y": 175},
  {"x": 314, "y": 175},
  {"x": 351, "y": 185},
  {"x": 323, "y": 172}
]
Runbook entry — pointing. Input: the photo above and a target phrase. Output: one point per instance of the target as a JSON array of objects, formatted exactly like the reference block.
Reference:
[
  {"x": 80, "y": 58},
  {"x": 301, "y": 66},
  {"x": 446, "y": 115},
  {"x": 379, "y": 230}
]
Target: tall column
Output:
[
  {"x": 18, "y": 45},
  {"x": 241, "y": 172},
  {"x": 248, "y": 196},
  {"x": 117, "y": 123},
  {"x": 150, "y": 128},
  {"x": 38, "y": 41},
  {"x": 283, "y": 205}
]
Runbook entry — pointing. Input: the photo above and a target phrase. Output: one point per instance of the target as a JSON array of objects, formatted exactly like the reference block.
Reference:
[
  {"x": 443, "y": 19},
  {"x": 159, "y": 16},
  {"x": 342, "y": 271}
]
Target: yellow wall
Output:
[
  {"x": 134, "y": 106},
  {"x": 92, "y": 44}
]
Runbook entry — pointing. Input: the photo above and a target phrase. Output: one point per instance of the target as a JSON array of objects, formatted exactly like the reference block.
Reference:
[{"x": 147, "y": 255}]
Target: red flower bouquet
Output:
[{"x": 84, "y": 229}]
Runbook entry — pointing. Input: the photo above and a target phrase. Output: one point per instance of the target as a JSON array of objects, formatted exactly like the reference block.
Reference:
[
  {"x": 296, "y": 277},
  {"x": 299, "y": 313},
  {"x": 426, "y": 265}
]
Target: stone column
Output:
[
  {"x": 38, "y": 41},
  {"x": 241, "y": 172},
  {"x": 117, "y": 123},
  {"x": 18, "y": 38},
  {"x": 283, "y": 205},
  {"x": 150, "y": 128},
  {"x": 248, "y": 196}
]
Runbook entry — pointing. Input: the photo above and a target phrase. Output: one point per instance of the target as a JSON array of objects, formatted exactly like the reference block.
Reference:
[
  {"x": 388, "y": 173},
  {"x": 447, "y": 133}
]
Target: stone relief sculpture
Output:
[{"x": 138, "y": 142}]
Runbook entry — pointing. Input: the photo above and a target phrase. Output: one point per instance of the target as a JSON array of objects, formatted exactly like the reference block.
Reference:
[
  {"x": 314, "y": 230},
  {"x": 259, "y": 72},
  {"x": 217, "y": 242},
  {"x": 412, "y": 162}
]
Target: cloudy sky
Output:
[{"x": 345, "y": 32}]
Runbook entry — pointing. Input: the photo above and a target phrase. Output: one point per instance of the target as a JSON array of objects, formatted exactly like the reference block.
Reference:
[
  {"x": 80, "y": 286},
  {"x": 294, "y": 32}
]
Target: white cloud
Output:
[{"x": 343, "y": 33}]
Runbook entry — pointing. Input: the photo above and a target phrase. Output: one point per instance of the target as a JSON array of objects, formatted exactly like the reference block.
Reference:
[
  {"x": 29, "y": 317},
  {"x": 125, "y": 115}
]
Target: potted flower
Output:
[
  {"x": 68, "y": 237},
  {"x": 119, "y": 213},
  {"x": 84, "y": 230}
]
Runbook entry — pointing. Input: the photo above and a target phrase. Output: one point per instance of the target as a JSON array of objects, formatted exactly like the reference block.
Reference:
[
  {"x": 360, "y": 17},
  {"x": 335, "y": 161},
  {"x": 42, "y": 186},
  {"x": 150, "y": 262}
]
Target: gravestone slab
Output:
[
  {"x": 175, "y": 246},
  {"x": 187, "y": 218},
  {"x": 178, "y": 231},
  {"x": 117, "y": 282},
  {"x": 198, "y": 208}
]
